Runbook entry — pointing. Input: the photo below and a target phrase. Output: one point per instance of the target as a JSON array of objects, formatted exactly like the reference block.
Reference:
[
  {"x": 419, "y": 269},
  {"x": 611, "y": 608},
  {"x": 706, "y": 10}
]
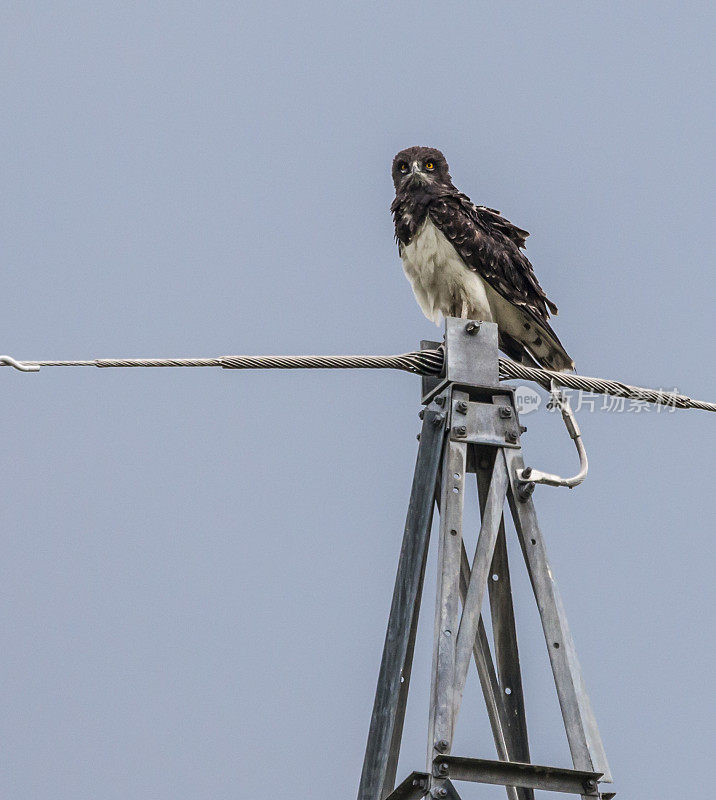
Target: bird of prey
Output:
[{"x": 464, "y": 260}]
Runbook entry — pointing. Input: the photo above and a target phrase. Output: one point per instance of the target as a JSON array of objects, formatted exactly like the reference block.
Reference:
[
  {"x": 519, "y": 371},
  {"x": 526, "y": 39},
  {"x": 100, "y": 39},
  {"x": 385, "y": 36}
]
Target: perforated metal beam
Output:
[{"x": 513, "y": 773}]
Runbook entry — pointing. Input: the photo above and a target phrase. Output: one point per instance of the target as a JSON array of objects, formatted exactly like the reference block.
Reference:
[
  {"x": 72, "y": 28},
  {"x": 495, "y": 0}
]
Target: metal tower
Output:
[{"x": 470, "y": 425}]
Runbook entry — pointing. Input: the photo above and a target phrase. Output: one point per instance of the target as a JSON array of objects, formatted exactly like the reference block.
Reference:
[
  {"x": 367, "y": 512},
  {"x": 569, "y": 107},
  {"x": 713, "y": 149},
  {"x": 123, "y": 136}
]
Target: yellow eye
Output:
[
  {"x": 429, "y": 165},
  {"x": 403, "y": 167}
]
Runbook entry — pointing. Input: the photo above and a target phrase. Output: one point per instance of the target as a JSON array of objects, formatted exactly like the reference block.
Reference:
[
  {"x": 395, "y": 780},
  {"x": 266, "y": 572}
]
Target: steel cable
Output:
[{"x": 423, "y": 362}]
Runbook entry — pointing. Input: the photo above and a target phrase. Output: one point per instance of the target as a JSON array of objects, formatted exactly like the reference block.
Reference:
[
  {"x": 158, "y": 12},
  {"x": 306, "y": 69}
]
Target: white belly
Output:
[
  {"x": 440, "y": 280},
  {"x": 443, "y": 286}
]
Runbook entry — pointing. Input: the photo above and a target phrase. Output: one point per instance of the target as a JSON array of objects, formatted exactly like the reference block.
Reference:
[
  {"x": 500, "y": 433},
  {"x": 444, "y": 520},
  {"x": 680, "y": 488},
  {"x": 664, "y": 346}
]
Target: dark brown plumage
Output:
[{"x": 486, "y": 243}]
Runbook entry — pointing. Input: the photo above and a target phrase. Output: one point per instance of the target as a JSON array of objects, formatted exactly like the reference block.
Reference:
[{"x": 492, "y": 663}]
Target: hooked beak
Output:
[{"x": 415, "y": 175}]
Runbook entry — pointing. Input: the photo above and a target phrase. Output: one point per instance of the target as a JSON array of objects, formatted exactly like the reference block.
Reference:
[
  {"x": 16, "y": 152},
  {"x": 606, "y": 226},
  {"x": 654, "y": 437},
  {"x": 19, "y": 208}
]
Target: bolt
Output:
[
  {"x": 472, "y": 328},
  {"x": 421, "y": 413},
  {"x": 526, "y": 472},
  {"x": 418, "y": 437},
  {"x": 511, "y": 436},
  {"x": 525, "y": 491},
  {"x": 523, "y": 429},
  {"x": 443, "y": 769},
  {"x": 462, "y": 406},
  {"x": 505, "y": 412},
  {"x": 590, "y": 785},
  {"x": 438, "y": 420},
  {"x": 441, "y": 791},
  {"x": 461, "y": 430},
  {"x": 440, "y": 400},
  {"x": 443, "y": 744}
]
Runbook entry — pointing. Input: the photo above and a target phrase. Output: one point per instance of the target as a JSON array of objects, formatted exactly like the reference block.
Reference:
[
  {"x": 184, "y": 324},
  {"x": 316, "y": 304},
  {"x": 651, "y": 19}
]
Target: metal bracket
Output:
[
  {"x": 445, "y": 792},
  {"x": 412, "y": 788},
  {"x": 471, "y": 352},
  {"x": 483, "y": 423},
  {"x": 471, "y": 357},
  {"x": 529, "y": 477}
]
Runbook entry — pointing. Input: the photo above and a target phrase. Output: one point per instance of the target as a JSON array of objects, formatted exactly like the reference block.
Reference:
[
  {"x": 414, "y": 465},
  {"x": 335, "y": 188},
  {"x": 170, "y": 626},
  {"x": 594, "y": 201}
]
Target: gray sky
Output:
[{"x": 197, "y": 565}]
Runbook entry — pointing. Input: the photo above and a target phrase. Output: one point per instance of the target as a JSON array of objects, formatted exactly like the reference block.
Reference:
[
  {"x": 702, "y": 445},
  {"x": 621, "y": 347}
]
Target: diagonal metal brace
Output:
[{"x": 412, "y": 788}]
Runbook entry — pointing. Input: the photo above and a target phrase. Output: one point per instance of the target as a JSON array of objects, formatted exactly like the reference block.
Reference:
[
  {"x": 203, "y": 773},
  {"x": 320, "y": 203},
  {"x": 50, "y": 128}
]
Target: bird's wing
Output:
[{"x": 490, "y": 245}]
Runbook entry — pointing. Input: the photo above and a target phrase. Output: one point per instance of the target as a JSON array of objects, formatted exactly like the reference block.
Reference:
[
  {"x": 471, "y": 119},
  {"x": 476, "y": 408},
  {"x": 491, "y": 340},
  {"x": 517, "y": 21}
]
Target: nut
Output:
[
  {"x": 472, "y": 328},
  {"x": 525, "y": 491}
]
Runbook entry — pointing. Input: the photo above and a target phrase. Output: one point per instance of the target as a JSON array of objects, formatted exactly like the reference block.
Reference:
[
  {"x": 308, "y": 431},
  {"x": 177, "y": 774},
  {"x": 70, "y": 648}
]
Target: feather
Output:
[{"x": 443, "y": 237}]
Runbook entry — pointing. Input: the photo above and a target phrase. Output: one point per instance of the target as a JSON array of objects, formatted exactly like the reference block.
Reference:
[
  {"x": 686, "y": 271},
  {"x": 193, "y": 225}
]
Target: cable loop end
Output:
[{"x": 11, "y": 362}]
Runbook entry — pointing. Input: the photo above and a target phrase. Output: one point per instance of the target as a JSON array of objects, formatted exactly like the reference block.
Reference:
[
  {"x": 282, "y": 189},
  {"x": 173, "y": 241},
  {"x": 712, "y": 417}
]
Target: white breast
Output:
[{"x": 441, "y": 282}]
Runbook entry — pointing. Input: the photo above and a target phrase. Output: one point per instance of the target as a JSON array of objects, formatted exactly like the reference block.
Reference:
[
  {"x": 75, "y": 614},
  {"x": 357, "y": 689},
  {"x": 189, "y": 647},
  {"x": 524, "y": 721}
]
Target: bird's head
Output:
[{"x": 420, "y": 167}]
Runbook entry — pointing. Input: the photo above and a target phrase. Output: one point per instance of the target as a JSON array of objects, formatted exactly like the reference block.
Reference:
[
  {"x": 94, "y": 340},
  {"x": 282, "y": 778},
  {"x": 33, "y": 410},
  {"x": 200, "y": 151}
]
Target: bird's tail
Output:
[{"x": 543, "y": 349}]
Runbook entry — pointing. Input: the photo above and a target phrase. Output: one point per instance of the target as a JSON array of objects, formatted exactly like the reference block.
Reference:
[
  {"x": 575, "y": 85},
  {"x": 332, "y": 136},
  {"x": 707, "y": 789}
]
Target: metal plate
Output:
[
  {"x": 484, "y": 423},
  {"x": 471, "y": 352}
]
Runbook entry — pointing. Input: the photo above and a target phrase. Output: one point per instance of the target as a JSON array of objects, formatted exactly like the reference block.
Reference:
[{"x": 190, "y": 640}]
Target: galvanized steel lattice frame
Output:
[{"x": 471, "y": 425}]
